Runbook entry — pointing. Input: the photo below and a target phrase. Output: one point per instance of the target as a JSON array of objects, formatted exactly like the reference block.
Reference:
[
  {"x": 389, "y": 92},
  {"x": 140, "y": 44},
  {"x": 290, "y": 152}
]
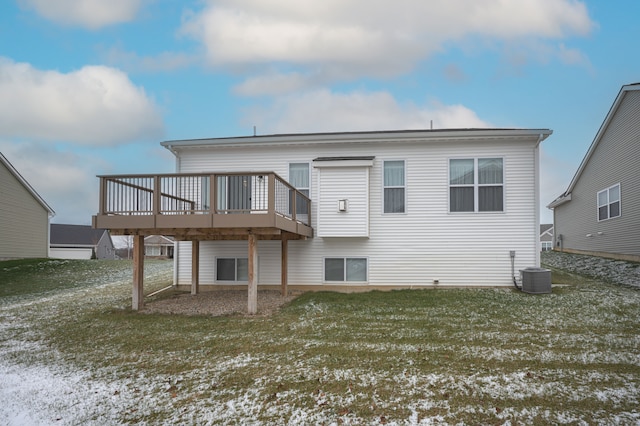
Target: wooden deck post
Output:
[
  {"x": 284, "y": 256},
  {"x": 252, "y": 287},
  {"x": 195, "y": 267},
  {"x": 137, "y": 301}
]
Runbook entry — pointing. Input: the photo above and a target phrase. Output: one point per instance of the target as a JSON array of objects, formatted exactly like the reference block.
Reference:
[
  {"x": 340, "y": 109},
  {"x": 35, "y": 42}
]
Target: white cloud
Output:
[
  {"x": 95, "y": 105},
  {"x": 369, "y": 37},
  {"x": 65, "y": 180},
  {"x": 92, "y": 14},
  {"x": 322, "y": 110}
]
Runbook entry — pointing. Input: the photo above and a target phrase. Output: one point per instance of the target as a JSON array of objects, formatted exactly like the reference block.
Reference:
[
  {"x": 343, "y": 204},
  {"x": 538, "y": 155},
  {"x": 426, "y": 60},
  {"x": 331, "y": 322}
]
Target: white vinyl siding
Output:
[
  {"x": 394, "y": 186},
  {"x": 414, "y": 249},
  {"x": 609, "y": 203},
  {"x": 343, "y": 183}
]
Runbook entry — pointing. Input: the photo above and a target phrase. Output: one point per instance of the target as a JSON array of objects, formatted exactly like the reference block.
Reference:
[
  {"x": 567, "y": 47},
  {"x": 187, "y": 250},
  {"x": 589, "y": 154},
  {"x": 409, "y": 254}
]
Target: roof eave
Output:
[{"x": 354, "y": 137}]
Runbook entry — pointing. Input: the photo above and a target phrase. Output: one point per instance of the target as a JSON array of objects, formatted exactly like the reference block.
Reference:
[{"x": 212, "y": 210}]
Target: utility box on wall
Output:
[{"x": 536, "y": 280}]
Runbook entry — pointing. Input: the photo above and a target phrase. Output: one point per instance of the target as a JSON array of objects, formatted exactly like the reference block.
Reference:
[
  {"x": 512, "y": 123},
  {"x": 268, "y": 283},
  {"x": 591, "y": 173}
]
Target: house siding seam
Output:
[
  {"x": 427, "y": 243},
  {"x": 614, "y": 160},
  {"x": 24, "y": 222}
]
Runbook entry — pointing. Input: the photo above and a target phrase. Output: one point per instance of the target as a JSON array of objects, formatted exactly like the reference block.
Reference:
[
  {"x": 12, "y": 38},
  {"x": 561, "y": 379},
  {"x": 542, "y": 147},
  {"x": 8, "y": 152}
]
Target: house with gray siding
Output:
[
  {"x": 81, "y": 242},
  {"x": 546, "y": 236},
  {"x": 599, "y": 213},
  {"x": 339, "y": 211},
  {"x": 24, "y": 216}
]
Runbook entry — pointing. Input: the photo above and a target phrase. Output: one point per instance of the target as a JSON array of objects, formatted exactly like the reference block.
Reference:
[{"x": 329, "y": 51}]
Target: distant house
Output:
[
  {"x": 24, "y": 216},
  {"x": 599, "y": 213},
  {"x": 546, "y": 237},
  {"x": 158, "y": 246},
  {"x": 80, "y": 242}
]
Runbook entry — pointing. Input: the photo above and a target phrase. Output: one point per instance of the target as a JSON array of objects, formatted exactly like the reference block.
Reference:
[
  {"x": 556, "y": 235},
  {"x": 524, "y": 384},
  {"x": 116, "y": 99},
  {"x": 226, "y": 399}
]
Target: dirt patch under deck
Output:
[{"x": 217, "y": 303}]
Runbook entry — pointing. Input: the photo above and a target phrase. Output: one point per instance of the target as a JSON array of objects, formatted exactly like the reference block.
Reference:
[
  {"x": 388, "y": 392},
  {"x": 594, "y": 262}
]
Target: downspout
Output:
[
  {"x": 536, "y": 176},
  {"x": 512, "y": 254}
]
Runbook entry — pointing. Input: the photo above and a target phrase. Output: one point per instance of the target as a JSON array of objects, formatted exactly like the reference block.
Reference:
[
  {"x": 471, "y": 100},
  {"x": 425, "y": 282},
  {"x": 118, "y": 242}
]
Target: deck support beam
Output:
[
  {"x": 252, "y": 288},
  {"x": 284, "y": 255},
  {"x": 137, "y": 301},
  {"x": 195, "y": 267}
]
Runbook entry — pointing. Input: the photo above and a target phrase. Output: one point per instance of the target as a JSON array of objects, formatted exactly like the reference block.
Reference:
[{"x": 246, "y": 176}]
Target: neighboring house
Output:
[
  {"x": 80, "y": 242},
  {"x": 24, "y": 216},
  {"x": 387, "y": 209},
  {"x": 599, "y": 213},
  {"x": 546, "y": 237},
  {"x": 158, "y": 246}
]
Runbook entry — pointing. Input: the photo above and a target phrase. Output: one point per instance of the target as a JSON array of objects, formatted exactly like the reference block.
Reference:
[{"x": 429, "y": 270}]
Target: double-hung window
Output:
[
  {"x": 345, "y": 269},
  {"x": 394, "y": 186},
  {"x": 299, "y": 179},
  {"x": 609, "y": 203},
  {"x": 232, "y": 269},
  {"x": 476, "y": 185}
]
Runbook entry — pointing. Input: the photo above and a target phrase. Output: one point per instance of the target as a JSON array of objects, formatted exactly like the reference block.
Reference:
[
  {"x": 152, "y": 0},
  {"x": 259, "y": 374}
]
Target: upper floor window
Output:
[
  {"x": 609, "y": 203},
  {"x": 476, "y": 185},
  {"x": 299, "y": 178},
  {"x": 394, "y": 186}
]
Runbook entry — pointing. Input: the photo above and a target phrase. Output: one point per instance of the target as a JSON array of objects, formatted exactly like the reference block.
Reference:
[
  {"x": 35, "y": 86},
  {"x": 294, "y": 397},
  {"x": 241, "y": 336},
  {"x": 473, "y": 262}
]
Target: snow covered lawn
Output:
[{"x": 77, "y": 355}]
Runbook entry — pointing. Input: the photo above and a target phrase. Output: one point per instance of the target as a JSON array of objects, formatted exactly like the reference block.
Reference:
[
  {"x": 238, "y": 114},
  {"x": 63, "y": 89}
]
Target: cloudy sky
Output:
[{"x": 91, "y": 87}]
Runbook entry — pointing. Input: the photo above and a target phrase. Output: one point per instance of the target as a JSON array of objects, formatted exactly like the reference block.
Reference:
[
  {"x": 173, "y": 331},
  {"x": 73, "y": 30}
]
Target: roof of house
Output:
[
  {"x": 352, "y": 137},
  {"x": 75, "y": 235},
  {"x": 26, "y": 184},
  {"x": 547, "y": 227},
  {"x": 566, "y": 195},
  {"x": 158, "y": 240}
]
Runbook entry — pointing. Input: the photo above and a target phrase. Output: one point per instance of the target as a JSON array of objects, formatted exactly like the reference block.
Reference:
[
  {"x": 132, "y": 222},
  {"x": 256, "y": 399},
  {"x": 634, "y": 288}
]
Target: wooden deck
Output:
[
  {"x": 180, "y": 205},
  {"x": 198, "y": 207}
]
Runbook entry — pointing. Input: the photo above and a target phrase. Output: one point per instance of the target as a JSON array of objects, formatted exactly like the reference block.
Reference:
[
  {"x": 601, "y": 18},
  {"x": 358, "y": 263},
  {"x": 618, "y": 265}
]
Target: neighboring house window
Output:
[
  {"x": 476, "y": 185},
  {"x": 609, "y": 203},
  {"x": 345, "y": 269},
  {"x": 299, "y": 179},
  {"x": 232, "y": 269},
  {"x": 547, "y": 245},
  {"x": 394, "y": 186}
]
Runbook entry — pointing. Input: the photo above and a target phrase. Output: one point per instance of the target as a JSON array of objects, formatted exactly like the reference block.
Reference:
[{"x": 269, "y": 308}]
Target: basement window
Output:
[
  {"x": 232, "y": 269},
  {"x": 340, "y": 269}
]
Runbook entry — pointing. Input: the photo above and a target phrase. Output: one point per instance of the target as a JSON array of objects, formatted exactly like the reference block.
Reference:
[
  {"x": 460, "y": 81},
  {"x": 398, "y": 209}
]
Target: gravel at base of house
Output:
[
  {"x": 217, "y": 303},
  {"x": 616, "y": 271}
]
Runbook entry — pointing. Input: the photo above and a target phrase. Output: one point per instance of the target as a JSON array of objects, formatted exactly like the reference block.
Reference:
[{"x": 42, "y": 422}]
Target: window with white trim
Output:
[
  {"x": 234, "y": 269},
  {"x": 345, "y": 269},
  {"x": 393, "y": 182},
  {"x": 546, "y": 245},
  {"x": 476, "y": 185},
  {"x": 299, "y": 178},
  {"x": 609, "y": 203}
]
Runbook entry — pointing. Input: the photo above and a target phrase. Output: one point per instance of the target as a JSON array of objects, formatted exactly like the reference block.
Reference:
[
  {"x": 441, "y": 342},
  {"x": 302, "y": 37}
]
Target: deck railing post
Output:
[
  {"x": 157, "y": 194},
  {"x": 103, "y": 196},
  {"x": 271, "y": 195}
]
